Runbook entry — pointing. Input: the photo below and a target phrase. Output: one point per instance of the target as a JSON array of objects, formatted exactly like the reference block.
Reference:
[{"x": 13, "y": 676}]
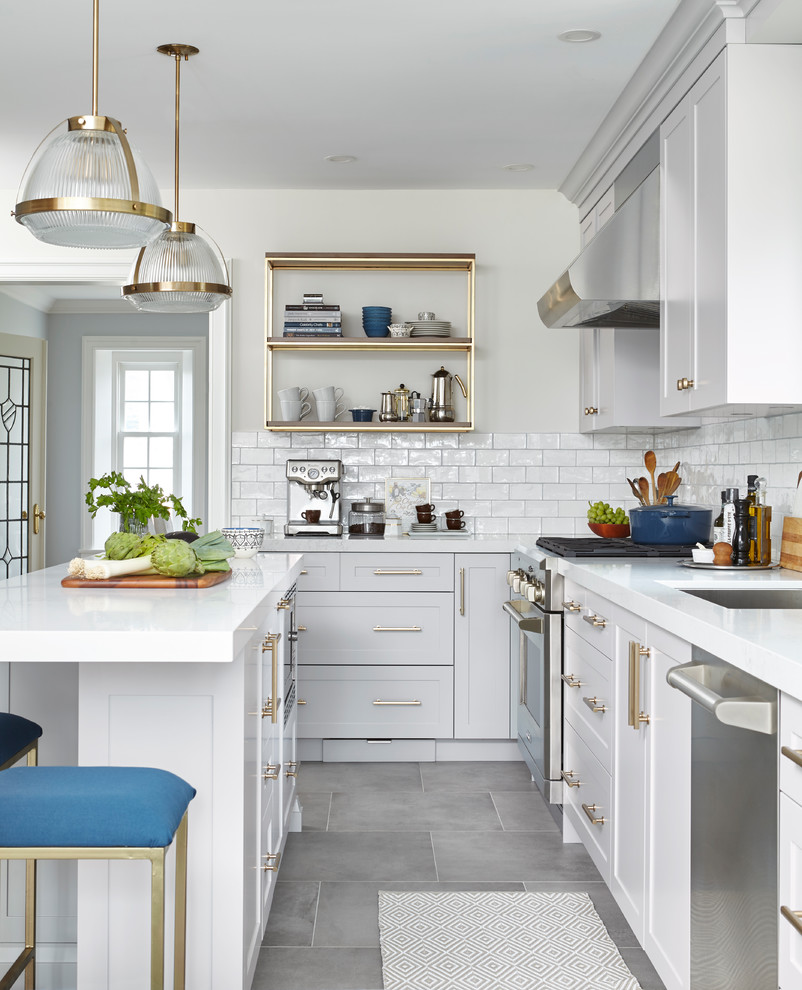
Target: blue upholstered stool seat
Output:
[
  {"x": 91, "y": 806},
  {"x": 16, "y": 735}
]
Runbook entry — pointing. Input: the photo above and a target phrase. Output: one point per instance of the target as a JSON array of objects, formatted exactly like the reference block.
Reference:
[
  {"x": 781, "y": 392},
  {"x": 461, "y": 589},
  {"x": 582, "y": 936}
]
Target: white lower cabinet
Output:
[
  {"x": 587, "y": 799},
  {"x": 790, "y": 875}
]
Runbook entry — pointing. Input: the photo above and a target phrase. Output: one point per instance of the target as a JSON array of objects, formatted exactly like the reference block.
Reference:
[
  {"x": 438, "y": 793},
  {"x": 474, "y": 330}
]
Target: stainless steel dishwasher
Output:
[{"x": 733, "y": 825}]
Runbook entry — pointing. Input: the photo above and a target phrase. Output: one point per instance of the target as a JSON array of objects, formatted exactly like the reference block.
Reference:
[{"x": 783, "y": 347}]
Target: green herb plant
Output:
[{"x": 114, "y": 491}]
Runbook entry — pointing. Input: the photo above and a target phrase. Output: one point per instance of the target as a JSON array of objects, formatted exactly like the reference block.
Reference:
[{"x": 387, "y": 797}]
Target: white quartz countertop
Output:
[
  {"x": 42, "y": 621},
  {"x": 479, "y": 543},
  {"x": 763, "y": 642}
]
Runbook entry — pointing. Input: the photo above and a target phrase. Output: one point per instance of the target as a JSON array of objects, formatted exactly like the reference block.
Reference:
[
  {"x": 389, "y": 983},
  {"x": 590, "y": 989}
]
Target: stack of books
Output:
[{"x": 312, "y": 318}]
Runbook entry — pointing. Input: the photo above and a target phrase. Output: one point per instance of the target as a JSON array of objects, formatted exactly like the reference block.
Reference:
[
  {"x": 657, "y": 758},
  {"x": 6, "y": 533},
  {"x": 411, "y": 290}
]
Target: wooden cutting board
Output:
[{"x": 150, "y": 581}]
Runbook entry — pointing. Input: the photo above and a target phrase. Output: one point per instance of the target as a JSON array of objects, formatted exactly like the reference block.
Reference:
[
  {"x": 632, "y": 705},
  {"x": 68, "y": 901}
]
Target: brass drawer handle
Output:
[
  {"x": 590, "y": 810},
  {"x": 385, "y": 573},
  {"x": 794, "y": 917},
  {"x": 293, "y": 772},
  {"x": 304, "y": 572},
  {"x": 301, "y": 628},
  {"x": 635, "y": 716},
  {"x": 571, "y": 681},
  {"x": 591, "y": 410},
  {"x": 397, "y": 628},
  {"x": 568, "y": 777},
  {"x": 271, "y": 771},
  {"x": 572, "y": 606},
  {"x": 794, "y": 755},
  {"x": 378, "y": 701},
  {"x": 267, "y": 709},
  {"x": 274, "y": 859},
  {"x": 594, "y": 706},
  {"x": 300, "y": 701},
  {"x": 595, "y": 620}
]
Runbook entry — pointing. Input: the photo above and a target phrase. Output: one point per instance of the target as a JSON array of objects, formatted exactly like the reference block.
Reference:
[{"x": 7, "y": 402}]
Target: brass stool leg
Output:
[
  {"x": 157, "y": 920},
  {"x": 180, "y": 937},
  {"x": 30, "y": 897}
]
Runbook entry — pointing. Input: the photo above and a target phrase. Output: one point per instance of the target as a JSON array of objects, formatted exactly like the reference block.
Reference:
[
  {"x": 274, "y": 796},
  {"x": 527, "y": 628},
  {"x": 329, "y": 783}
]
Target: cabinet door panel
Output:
[
  {"x": 790, "y": 890},
  {"x": 594, "y": 672},
  {"x": 397, "y": 572},
  {"x": 379, "y": 702},
  {"x": 594, "y": 791},
  {"x": 373, "y": 628},
  {"x": 320, "y": 572}
]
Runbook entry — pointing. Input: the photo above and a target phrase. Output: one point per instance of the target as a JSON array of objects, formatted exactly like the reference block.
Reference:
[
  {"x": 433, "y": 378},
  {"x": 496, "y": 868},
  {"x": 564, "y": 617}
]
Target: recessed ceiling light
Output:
[
  {"x": 518, "y": 167},
  {"x": 340, "y": 159},
  {"x": 579, "y": 35}
]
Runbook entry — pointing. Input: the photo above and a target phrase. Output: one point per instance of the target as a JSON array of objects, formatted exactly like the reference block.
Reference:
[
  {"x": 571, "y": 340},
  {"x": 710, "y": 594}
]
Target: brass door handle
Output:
[
  {"x": 462, "y": 591},
  {"x": 794, "y": 755},
  {"x": 398, "y": 629},
  {"x": 590, "y": 810},
  {"x": 572, "y": 606},
  {"x": 684, "y": 383},
  {"x": 570, "y": 680},
  {"x": 635, "y": 715},
  {"x": 271, "y": 643},
  {"x": 267, "y": 710},
  {"x": 568, "y": 777},
  {"x": 378, "y": 701},
  {"x": 385, "y": 573},
  {"x": 594, "y": 706},
  {"x": 595, "y": 620},
  {"x": 794, "y": 917},
  {"x": 271, "y": 771},
  {"x": 591, "y": 410},
  {"x": 300, "y": 701},
  {"x": 301, "y": 628},
  {"x": 38, "y": 514}
]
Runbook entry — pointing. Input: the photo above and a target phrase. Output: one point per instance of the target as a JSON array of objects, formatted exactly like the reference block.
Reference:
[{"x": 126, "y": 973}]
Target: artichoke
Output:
[
  {"x": 175, "y": 559},
  {"x": 120, "y": 546}
]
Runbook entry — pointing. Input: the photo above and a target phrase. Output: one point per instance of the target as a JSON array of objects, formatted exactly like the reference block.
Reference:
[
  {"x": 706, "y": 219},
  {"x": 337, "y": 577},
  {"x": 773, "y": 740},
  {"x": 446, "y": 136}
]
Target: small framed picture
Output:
[{"x": 401, "y": 495}]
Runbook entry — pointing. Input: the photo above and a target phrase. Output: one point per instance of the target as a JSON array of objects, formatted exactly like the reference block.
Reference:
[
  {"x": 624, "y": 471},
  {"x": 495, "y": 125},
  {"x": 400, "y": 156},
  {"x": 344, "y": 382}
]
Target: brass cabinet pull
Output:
[
  {"x": 270, "y": 772},
  {"x": 635, "y": 715},
  {"x": 266, "y": 710},
  {"x": 293, "y": 772},
  {"x": 283, "y": 604},
  {"x": 590, "y": 810},
  {"x": 38, "y": 514},
  {"x": 271, "y": 643},
  {"x": 274, "y": 859},
  {"x": 794, "y": 917},
  {"x": 301, "y": 628},
  {"x": 595, "y": 620},
  {"x": 385, "y": 573},
  {"x": 462, "y": 591},
  {"x": 591, "y": 410},
  {"x": 304, "y": 572},
  {"x": 570, "y": 680},
  {"x": 300, "y": 701},
  {"x": 684, "y": 383},
  {"x": 572, "y": 606},
  {"x": 378, "y": 701},
  {"x": 594, "y": 706},
  {"x": 568, "y": 777},
  {"x": 794, "y": 755},
  {"x": 398, "y": 629}
]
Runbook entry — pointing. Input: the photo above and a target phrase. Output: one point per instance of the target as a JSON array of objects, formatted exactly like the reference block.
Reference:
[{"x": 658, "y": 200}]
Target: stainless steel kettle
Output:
[{"x": 441, "y": 406}]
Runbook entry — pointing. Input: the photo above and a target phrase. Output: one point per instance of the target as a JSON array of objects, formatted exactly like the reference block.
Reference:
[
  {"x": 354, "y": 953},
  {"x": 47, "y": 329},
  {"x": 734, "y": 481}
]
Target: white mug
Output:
[
  {"x": 328, "y": 410},
  {"x": 327, "y": 393},
  {"x": 293, "y": 409},
  {"x": 294, "y": 393}
]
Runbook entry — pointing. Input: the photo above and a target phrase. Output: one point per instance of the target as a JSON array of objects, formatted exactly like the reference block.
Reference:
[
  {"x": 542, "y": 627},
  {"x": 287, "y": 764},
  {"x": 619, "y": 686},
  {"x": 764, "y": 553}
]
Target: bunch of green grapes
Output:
[{"x": 602, "y": 512}]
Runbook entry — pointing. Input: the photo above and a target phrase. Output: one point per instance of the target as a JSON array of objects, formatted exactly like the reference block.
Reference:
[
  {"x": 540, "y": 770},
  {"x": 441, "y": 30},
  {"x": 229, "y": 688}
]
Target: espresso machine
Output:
[{"x": 313, "y": 486}]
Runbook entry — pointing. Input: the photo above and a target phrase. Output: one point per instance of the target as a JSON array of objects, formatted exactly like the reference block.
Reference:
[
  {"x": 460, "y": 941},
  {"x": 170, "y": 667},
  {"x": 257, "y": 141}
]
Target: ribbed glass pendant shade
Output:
[
  {"x": 179, "y": 272},
  {"x": 77, "y": 191}
]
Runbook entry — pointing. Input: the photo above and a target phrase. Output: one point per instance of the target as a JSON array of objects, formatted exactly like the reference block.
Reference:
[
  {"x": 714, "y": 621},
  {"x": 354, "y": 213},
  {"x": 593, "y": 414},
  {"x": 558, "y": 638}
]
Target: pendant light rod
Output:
[
  {"x": 95, "y": 55},
  {"x": 177, "y": 52}
]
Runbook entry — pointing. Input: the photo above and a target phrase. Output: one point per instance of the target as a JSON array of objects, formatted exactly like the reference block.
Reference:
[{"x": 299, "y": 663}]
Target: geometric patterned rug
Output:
[{"x": 497, "y": 941}]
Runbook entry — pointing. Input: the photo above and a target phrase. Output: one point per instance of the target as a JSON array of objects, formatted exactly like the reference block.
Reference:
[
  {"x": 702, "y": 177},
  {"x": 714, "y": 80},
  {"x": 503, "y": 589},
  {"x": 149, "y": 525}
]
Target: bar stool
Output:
[
  {"x": 99, "y": 813},
  {"x": 18, "y": 737}
]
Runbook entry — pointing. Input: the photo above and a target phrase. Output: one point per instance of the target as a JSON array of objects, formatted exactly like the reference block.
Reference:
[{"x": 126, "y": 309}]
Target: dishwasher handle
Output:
[
  {"x": 525, "y": 623},
  {"x": 748, "y": 711}
]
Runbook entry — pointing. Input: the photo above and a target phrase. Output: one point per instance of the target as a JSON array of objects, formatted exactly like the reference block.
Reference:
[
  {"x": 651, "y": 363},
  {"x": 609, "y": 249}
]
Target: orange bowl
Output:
[{"x": 610, "y": 531}]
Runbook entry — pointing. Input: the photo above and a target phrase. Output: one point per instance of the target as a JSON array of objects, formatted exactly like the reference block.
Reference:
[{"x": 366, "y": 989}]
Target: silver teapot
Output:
[{"x": 441, "y": 406}]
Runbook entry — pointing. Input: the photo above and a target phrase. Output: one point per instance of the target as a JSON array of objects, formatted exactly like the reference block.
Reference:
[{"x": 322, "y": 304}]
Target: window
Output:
[{"x": 148, "y": 419}]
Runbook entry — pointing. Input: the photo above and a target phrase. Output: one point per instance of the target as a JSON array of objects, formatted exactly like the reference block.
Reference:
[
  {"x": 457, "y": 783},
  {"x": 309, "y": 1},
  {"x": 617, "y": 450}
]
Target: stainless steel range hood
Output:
[{"x": 615, "y": 281}]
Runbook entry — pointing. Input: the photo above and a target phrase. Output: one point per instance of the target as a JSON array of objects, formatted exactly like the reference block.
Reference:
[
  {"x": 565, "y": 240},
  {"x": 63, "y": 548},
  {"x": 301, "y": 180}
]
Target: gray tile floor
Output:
[{"x": 408, "y": 826}]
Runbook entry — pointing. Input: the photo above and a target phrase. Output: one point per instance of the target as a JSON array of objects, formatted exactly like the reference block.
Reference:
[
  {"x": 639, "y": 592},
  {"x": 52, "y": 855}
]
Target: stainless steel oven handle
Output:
[{"x": 526, "y": 623}]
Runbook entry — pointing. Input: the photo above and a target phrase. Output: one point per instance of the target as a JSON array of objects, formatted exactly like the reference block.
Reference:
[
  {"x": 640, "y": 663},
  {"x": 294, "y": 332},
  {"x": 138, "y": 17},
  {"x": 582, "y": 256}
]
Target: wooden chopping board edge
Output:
[{"x": 150, "y": 581}]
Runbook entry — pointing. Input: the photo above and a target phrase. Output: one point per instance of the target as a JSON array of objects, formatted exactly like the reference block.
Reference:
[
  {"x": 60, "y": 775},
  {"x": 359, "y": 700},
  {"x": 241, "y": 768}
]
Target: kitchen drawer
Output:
[
  {"x": 379, "y": 751},
  {"x": 320, "y": 572},
  {"x": 375, "y": 628},
  {"x": 595, "y": 792},
  {"x": 376, "y": 702},
  {"x": 590, "y": 616},
  {"x": 790, "y": 893},
  {"x": 589, "y": 706},
  {"x": 791, "y": 738},
  {"x": 397, "y": 571}
]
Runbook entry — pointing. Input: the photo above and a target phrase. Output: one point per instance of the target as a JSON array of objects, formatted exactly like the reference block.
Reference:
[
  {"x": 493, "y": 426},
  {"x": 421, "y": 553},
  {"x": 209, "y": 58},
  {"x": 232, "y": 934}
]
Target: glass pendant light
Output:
[
  {"x": 87, "y": 186},
  {"x": 182, "y": 270}
]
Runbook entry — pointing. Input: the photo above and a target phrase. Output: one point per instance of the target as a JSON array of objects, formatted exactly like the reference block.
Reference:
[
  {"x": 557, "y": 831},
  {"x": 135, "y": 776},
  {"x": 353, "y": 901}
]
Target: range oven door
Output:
[{"x": 537, "y": 646}]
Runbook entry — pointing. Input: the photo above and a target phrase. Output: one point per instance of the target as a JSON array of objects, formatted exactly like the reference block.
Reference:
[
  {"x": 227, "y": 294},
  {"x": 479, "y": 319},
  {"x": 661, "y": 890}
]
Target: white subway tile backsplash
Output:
[{"x": 528, "y": 483}]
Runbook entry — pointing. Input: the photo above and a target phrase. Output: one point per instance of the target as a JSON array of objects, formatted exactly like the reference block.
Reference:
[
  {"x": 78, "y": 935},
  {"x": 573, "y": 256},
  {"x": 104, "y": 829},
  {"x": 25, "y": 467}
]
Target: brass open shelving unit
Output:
[{"x": 275, "y": 263}]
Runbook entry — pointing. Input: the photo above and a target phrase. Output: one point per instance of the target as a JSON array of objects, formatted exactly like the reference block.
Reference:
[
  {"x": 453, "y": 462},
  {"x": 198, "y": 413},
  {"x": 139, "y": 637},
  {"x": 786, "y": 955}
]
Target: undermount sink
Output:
[{"x": 749, "y": 597}]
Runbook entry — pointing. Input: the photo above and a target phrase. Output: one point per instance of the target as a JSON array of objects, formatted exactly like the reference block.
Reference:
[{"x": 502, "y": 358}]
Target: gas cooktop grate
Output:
[{"x": 594, "y": 546}]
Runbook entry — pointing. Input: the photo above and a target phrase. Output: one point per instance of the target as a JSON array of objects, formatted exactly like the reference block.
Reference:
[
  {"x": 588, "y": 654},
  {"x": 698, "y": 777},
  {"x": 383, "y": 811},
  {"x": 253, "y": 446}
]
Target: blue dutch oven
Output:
[{"x": 671, "y": 524}]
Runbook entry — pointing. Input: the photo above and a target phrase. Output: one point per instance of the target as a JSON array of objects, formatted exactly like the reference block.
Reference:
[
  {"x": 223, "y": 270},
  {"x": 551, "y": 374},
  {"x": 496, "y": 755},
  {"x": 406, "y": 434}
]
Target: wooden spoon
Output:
[
  {"x": 661, "y": 484},
  {"x": 636, "y": 491},
  {"x": 643, "y": 485},
  {"x": 650, "y": 460},
  {"x": 673, "y": 482}
]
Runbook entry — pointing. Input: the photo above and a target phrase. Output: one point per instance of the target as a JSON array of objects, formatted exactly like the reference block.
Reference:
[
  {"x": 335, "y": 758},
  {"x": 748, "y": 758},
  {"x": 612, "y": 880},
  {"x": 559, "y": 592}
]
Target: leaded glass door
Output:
[{"x": 22, "y": 363}]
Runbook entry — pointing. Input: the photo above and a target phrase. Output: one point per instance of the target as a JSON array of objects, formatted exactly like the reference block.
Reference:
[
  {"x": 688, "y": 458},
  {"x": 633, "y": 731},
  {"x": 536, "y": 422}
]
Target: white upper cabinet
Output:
[{"x": 731, "y": 243}]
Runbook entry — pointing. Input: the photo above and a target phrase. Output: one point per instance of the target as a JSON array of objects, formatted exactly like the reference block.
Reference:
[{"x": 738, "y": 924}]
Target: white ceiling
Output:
[{"x": 427, "y": 94}]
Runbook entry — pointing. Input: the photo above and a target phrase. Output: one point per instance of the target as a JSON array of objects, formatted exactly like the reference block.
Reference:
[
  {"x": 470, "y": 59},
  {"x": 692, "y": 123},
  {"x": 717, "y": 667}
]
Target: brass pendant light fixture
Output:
[
  {"x": 182, "y": 270},
  {"x": 87, "y": 186}
]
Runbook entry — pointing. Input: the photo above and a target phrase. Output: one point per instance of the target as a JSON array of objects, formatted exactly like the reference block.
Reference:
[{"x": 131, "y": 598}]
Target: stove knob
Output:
[
  {"x": 536, "y": 592},
  {"x": 516, "y": 582},
  {"x": 524, "y": 587},
  {"x": 510, "y": 577}
]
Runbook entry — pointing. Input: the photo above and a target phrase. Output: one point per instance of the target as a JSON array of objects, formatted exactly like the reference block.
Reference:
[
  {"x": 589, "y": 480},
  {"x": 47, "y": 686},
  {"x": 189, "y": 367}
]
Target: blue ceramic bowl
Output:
[
  {"x": 362, "y": 415},
  {"x": 377, "y": 309},
  {"x": 375, "y": 324},
  {"x": 377, "y": 332}
]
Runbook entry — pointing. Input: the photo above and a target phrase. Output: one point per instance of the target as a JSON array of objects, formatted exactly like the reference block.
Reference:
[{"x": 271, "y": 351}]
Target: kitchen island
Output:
[{"x": 163, "y": 678}]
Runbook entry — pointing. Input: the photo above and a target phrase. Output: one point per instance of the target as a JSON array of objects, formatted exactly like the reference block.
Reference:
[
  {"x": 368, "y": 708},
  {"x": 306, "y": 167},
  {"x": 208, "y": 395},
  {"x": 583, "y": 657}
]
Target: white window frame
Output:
[{"x": 102, "y": 359}]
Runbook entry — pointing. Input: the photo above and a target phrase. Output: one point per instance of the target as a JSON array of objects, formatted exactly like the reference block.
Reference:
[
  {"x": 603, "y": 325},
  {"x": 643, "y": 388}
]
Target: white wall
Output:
[
  {"x": 16, "y": 317},
  {"x": 526, "y": 377}
]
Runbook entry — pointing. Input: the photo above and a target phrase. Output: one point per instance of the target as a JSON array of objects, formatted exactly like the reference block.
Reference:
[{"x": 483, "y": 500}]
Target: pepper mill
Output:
[{"x": 740, "y": 539}]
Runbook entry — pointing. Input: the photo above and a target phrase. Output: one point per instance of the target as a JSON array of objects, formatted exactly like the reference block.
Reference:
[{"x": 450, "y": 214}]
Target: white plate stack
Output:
[
  {"x": 416, "y": 527},
  {"x": 429, "y": 328}
]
